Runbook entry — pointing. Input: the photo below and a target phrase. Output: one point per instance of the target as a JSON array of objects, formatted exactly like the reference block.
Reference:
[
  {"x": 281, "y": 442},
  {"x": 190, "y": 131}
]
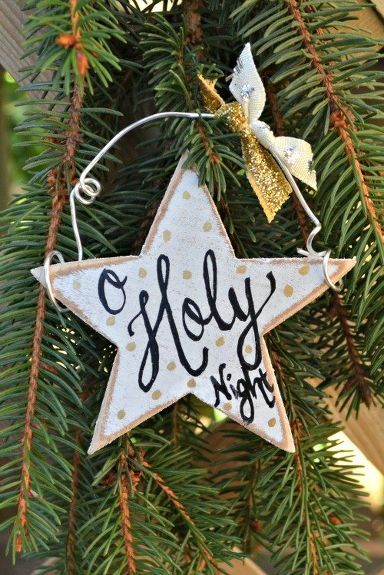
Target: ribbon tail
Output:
[
  {"x": 265, "y": 176},
  {"x": 298, "y": 157},
  {"x": 211, "y": 98}
]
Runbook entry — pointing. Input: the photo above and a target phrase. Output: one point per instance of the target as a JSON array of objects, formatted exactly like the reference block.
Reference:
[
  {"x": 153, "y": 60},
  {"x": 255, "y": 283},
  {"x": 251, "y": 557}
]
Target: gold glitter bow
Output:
[{"x": 259, "y": 145}]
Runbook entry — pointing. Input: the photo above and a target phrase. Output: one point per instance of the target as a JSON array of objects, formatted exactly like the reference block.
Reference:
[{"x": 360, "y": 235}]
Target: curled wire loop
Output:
[
  {"x": 87, "y": 189},
  {"x": 310, "y": 251},
  {"x": 47, "y": 276}
]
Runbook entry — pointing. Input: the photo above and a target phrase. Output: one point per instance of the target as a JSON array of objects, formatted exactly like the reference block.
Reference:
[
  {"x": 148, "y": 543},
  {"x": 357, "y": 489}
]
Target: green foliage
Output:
[
  {"x": 71, "y": 37},
  {"x": 311, "y": 100},
  {"x": 178, "y": 512}
]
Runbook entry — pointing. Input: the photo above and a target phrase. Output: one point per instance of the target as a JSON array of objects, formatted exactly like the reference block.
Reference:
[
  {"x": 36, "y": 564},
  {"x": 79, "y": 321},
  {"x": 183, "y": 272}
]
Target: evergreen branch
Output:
[
  {"x": 340, "y": 117},
  {"x": 301, "y": 484},
  {"x": 73, "y": 40},
  {"x": 169, "y": 492},
  {"x": 71, "y": 538},
  {"x": 57, "y": 181},
  {"x": 358, "y": 378},
  {"x": 192, "y": 14},
  {"x": 126, "y": 525},
  {"x": 75, "y": 35},
  {"x": 96, "y": 515},
  {"x": 313, "y": 502}
]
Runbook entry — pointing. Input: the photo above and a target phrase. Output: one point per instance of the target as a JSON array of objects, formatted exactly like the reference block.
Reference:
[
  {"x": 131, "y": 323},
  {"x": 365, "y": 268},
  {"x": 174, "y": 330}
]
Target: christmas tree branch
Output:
[
  {"x": 340, "y": 117},
  {"x": 358, "y": 379},
  {"x": 170, "y": 493},
  {"x": 126, "y": 523},
  {"x": 43, "y": 368},
  {"x": 301, "y": 483},
  {"x": 72, "y": 531},
  {"x": 113, "y": 512},
  {"x": 359, "y": 373},
  {"x": 348, "y": 83},
  {"x": 192, "y": 13},
  {"x": 57, "y": 181}
]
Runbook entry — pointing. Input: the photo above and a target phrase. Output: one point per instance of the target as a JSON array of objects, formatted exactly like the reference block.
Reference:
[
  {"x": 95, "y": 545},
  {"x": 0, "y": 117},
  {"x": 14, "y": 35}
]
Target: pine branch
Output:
[
  {"x": 57, "y": 180},
  {"x": 72, "y": 540},
  {"x": 341, "y": 60},
  {"x": 50, "y": 369},
  {"x": 358, "y": 379},
  {"x": 126, "y": 525},
  {"x": 181, "y": 509},
  {"x": 341, "y": 117},
  {"x": 150, "y": 504}
]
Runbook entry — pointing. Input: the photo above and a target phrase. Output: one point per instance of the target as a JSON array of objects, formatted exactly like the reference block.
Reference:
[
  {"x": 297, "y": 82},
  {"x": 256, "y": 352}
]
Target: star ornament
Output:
[{"x": 187, "y": 316}]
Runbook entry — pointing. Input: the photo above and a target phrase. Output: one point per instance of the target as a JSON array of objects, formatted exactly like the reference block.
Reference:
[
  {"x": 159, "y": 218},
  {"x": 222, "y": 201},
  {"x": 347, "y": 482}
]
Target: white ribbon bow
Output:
[{"x": 246, "y": 86}]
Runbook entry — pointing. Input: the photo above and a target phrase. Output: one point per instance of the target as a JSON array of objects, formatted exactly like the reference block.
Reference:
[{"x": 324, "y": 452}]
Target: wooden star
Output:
[{"x": 187, "y": 316}]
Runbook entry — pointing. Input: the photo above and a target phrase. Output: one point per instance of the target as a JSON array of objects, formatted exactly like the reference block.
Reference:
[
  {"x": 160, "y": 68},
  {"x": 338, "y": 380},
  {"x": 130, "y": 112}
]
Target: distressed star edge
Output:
[
  {"x": 58, "y": 270},
  {"x": 101, "y": 439}
]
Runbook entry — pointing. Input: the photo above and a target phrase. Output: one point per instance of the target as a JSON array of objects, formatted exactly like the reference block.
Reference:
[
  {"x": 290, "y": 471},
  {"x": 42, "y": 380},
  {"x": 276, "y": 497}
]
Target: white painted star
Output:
[{"x": 187, "y": 316}]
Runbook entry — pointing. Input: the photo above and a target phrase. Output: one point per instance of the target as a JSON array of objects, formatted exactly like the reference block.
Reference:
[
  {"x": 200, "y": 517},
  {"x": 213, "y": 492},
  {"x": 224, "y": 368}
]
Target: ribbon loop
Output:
[{"x": 259, "y": 144}]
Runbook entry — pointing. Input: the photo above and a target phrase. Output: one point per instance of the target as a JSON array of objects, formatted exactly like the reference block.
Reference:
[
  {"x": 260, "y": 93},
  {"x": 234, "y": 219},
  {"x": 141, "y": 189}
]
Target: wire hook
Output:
[{"x": 87, "y": 189}]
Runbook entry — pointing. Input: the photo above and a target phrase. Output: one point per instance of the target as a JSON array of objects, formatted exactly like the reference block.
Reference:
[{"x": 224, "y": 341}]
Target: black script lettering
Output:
[
  {"x": 245, "y": 390},
  {"x": 152, "y": 348},
  {"x": 252, "y": 325},
  {"x": 220, "y": 386},
  {"x": 263, "y": 385},
  {"x": 192, "y": 311},
  {"x": 210, "y": 282},
  {"x": 111, "y": 278}
]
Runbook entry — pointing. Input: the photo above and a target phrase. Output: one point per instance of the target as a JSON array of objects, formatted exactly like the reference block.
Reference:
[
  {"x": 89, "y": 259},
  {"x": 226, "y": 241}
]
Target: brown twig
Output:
[
  {"x": 73, "y": 40},
  {"x": 181, "y": 509},
  {"x": 195, "y": 36},
  {"x": 340, "y": 118},
  {"x": 297, "y": 433},
  {"x": 337, "y": 305},
  {"x": 359, "y": 375},
  {"x": 126, "y": 524},
  {"x": 192, "y": 19},
  {"x": 57, "y": 183}
]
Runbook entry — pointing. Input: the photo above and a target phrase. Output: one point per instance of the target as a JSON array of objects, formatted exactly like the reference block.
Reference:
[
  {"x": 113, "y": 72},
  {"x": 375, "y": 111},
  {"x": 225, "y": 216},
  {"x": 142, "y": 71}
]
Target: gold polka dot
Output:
[
  {"x": 76, "y": 284},
  {"x": 248, "y": 349},
  {"x": 111, "y": 320},
  {"x": 288, "y": 290},
  {"x": 121, "y": 414},
  {"x": 241, "y": 269},
  {"x": 227, "y": 406},
  {"x": 304, "y": 270},
  {"x": 191, "y": 383},
  {"x": 171, "y": 366},
  {"x": 207, "y": 226},
  {"x": 131, "y": 346},
  {"x": 142, "y": 273},
  {"x": 187, "y": 275},
  {"x": 220, "y": 341},
  {"x": 156, "y": 394},
  {"x": 272, "y": 422},
  {"x": 186, "y": 195},
  {"x": 167, "y": 235}
]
